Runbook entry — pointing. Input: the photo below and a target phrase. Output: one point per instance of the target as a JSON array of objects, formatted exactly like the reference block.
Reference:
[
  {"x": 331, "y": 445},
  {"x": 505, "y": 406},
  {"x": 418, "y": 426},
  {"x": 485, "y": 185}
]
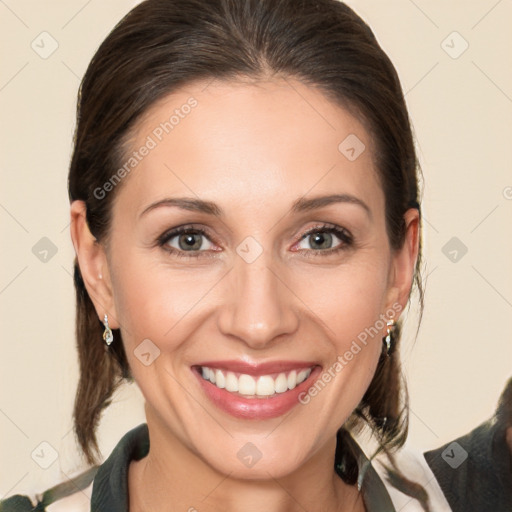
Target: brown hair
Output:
[
  {"x": 162, "y": 45},
  {"x": 504, "y": 408}
]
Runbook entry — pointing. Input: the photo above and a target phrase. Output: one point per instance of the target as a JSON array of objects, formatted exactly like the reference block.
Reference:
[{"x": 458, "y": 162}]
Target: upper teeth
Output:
[{"x": 262, "y": 386}]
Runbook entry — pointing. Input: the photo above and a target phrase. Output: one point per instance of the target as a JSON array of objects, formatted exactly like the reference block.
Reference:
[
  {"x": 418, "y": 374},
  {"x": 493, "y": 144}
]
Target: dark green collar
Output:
[{"x": 110, "y": 490}]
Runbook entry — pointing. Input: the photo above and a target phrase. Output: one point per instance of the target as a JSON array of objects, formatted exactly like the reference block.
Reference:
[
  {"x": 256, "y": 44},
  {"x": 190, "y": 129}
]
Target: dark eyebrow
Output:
[
  {"x": 185, "y": 203},
  {"x": 300, "y": 205},
  {"x": 305, "y": 204}
]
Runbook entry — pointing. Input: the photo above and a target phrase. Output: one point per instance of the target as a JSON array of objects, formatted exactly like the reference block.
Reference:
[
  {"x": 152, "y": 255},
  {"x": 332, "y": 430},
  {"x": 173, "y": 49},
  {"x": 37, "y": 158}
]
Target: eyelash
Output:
[
  {"x": 346, "y": 240},
  {"x": 342, "y": 234}
]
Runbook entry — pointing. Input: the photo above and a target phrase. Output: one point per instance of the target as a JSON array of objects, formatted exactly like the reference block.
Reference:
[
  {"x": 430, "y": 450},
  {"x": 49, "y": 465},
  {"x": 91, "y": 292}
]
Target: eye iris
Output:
[
  {"x": 324, "y": 240},
  {"x": 189, "y": 241}
]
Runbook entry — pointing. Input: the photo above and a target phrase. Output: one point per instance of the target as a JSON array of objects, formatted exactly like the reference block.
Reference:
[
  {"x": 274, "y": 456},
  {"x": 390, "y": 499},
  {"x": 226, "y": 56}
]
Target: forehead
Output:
[{"x": 248, "y": 144}]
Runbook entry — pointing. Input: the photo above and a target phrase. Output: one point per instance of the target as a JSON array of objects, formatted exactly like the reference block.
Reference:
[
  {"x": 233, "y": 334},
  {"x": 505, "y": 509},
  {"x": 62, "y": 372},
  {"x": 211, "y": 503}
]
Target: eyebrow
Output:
[
  {"x": 185, "y": 203},
  {"x": 304, "y": 205},
  {"x": 300, "y": 205}
]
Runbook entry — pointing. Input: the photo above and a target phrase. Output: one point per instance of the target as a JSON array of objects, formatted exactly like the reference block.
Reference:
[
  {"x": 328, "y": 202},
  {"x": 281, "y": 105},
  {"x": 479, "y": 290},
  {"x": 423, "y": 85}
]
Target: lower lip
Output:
[{"x": 255, "y": 408}]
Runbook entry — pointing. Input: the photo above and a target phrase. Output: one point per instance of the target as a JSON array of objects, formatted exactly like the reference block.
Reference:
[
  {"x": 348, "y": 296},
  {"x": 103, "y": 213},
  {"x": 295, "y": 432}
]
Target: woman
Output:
[{"x": 245, "y": 214}]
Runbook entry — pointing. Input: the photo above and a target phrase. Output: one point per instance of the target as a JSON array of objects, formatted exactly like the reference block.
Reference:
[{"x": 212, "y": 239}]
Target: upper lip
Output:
[{"x": 257, "y": 369}]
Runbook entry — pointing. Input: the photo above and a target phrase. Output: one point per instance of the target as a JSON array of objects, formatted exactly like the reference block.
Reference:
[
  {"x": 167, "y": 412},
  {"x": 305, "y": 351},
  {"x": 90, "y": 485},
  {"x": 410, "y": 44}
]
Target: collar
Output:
[{"x": 110, "y": 487}]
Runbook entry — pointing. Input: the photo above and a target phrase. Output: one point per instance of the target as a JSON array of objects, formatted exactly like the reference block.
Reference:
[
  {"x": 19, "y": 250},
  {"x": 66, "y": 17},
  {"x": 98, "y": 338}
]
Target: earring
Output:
[
  {"x": 107, "y": 333},
  {"x": 389, "y": 339}
]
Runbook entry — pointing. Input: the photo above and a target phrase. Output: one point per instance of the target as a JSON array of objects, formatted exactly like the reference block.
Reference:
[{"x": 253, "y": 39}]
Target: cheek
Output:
[
  {"x": 151, "y": 297},
  {"x": 347, "y": 299},
  {"x": 350, "y": 303},
  {"x": 351, "y": 308}
]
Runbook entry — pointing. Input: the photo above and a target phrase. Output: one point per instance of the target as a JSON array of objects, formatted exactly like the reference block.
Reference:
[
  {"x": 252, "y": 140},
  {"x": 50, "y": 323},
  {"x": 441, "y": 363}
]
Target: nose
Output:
[{"x": 260, "y": 304}]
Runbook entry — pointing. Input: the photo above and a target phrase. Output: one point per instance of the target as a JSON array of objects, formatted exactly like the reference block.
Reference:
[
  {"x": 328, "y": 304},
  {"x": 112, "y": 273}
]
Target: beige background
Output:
[{"x": 461, "y": 110}]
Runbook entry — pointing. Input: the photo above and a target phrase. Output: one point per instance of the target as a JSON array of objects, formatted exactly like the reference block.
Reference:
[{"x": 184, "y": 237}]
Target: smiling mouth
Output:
[
  {"x": 248, "y": 386},
  {"x": 255, "y": 391}
]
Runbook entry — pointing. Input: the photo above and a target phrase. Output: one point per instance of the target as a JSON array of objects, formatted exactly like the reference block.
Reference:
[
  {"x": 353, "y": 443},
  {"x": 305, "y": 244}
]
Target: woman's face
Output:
[{"x": 285, "y": 272}]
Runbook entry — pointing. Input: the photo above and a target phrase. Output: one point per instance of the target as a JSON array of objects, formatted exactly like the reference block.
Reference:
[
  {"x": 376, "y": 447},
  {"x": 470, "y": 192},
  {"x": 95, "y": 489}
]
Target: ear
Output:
[
  {"x": 404, "y": 262},
  {"x": 93, "y": 264}
]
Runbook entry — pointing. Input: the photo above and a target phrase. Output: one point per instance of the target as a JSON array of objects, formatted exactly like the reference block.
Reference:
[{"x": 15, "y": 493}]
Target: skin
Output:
[{"x": 253, "y": 149}]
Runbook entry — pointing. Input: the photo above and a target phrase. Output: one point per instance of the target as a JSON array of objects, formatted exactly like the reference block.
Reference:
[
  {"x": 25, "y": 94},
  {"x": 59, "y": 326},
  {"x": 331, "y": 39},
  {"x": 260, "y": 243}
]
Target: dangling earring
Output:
[
  {"x": 389, "y": 339},
  {"x": 107, "y": 333}
]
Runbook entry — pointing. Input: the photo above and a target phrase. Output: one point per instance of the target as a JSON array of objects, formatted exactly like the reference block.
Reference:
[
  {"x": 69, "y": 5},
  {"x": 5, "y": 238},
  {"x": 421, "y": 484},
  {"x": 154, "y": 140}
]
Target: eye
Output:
[
  {"x": 185, "y": 239},
  {"x": 326, "y": 239}
]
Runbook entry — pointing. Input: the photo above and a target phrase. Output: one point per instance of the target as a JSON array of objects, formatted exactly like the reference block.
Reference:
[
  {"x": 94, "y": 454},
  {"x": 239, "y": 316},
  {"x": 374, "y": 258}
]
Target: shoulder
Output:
[
  {"x": 421, "y": 481},
  {"x": 475, "y": 470}
]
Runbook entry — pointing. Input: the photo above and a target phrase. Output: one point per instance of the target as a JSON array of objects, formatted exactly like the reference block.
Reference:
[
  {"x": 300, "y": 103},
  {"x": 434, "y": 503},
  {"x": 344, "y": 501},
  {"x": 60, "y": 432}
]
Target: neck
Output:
[{"x": 172, "y": 475}]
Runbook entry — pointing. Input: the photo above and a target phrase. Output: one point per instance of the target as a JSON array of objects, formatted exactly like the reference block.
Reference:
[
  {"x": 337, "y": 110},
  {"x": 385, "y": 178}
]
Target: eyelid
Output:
[
  {"x": 324, "y": 226},
  {"x": 162, "y": 241}
]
